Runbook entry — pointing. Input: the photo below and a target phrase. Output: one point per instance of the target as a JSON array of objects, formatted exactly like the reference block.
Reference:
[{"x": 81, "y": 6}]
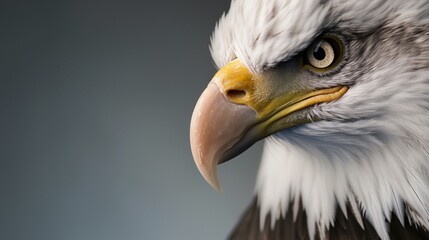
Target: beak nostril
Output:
[{"x": 235, "y": 94}]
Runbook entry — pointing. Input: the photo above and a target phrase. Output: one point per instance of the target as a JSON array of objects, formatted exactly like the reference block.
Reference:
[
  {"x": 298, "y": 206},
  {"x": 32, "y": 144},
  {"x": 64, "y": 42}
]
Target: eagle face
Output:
[{"x": 338, "y": 90}]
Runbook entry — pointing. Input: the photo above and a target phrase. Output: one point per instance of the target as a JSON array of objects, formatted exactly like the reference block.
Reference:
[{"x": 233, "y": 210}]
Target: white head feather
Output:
[{"x": 373, "y": 150}]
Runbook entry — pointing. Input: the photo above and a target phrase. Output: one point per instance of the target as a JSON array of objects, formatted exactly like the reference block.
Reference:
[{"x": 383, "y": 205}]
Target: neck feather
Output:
[{"x": 378, "y": 181}]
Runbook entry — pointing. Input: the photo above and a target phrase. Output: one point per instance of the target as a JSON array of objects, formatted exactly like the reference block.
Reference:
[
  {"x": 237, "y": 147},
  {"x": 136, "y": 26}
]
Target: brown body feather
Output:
[{"x": 345, "y": 228}]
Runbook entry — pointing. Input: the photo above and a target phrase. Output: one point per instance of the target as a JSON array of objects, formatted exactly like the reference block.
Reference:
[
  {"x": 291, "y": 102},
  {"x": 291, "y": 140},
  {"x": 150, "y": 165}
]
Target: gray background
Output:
[{"x": 95, "y": 103}]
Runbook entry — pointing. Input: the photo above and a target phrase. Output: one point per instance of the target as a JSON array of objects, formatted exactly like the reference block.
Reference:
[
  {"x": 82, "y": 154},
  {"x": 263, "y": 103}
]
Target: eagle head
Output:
[{"x": 339, "y": 91}]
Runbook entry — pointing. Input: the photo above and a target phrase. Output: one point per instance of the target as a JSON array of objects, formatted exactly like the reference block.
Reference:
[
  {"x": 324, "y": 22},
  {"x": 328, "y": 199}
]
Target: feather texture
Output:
[{"x": 343, "y": 228}]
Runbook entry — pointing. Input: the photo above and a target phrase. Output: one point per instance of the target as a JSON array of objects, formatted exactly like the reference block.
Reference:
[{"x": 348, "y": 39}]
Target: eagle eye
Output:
[{"x": 324, "y": 54}]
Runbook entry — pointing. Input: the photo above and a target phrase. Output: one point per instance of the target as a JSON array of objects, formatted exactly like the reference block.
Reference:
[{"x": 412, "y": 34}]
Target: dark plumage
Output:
[{"x": 295, "y": 228}]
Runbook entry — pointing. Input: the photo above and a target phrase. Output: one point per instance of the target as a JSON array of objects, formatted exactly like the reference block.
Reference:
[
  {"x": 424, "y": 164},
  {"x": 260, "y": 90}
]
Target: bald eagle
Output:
[{"x": 339, "y": 91}]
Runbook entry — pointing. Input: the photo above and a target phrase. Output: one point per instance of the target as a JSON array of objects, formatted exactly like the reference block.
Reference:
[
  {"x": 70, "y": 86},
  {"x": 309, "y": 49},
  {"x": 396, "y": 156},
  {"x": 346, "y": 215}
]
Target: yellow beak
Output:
[{"x": 239, "y": 108}]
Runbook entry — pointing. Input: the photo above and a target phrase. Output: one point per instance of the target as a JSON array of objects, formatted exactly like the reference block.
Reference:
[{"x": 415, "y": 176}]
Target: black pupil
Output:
[{"x": 319, "y": 53}]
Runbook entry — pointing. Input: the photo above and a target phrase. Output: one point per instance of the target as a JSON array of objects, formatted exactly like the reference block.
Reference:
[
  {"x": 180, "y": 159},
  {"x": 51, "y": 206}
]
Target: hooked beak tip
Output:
[{"x": 208, "y": 170}]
